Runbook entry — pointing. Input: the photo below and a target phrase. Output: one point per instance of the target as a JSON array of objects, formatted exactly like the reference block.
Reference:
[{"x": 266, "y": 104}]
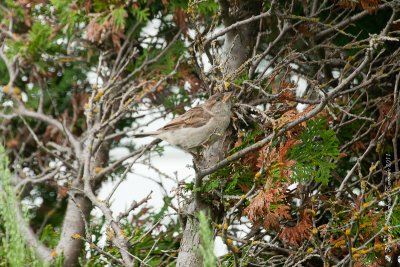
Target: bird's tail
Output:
[{"x": 141, "y": 135}]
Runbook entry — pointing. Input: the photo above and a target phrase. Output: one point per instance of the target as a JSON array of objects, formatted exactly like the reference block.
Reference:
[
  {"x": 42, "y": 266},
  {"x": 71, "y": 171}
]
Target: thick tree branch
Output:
[{"x": 41, "y": 250}]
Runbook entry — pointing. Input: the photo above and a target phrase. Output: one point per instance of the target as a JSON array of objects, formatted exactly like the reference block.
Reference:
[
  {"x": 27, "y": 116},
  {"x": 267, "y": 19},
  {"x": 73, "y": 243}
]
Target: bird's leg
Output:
[
  {"x": 211, "y": 139},
  {"x": 205, "y": 145},
  {"x": 214, "y": 136},
  {"x": 195, "y": 159},
  {"x": 196, "y": 155}
]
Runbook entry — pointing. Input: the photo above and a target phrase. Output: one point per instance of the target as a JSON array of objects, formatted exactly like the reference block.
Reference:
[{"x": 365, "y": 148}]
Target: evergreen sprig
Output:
[
  {"x": 207, "y": 243},
  {"x": 14, "y": 251},
  {"x": 315, "y": 153}
]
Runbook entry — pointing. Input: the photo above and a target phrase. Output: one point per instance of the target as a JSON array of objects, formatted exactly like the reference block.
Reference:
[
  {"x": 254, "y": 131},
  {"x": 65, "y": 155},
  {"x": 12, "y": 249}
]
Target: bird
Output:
[{"x": 198, "y": 126}]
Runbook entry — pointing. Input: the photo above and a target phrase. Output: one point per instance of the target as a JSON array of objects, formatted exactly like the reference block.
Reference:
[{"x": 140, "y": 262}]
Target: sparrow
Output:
[{"x": 198, "y": 126}]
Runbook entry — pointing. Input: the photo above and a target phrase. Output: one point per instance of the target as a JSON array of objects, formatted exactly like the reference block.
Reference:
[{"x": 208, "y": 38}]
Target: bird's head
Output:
[{"x": 220, "y": 102}]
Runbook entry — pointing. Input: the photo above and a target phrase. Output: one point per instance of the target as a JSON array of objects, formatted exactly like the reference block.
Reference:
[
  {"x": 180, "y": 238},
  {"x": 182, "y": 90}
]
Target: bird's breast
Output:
[{"x": 193, "y": 137}]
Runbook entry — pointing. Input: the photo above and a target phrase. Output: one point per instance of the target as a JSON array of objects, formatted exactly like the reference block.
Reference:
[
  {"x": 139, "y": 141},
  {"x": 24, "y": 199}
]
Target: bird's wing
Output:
[{"x": 193, "y": 118}]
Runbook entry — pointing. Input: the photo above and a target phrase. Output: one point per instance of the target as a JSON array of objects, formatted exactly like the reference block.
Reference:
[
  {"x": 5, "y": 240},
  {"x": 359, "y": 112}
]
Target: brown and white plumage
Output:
[{"x": 196, "y": 126}]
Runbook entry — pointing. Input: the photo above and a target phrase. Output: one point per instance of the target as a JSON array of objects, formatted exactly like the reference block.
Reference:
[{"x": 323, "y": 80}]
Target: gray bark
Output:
[
  {"x": 240, "y": 41},
  {"x": 191, "y": 237},
  {"x": 78, "y": 209},
  {"x": 189, "y": 254},
  {"x": 43, "y": 252},
  {"x": 237, "y": 49},
  {"x": 73, "y": 224}
]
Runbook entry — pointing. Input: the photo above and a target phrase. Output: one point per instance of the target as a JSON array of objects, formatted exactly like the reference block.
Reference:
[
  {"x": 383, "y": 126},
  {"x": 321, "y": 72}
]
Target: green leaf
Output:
[
  {"x": 142, "y": 15},
  {"x": 314, "y": 155},
  {"x": 208, "y": 7},
  {"x": 13, "y": 248},
  {"x": 207, "y": 241},
  {"x": 395, "y": 221},
  {"x": 69, "y": 17},
  {"x": 119, "y": 15},
  {"x": 49, "y": 236},
  {"x": 210, "y": 185}
]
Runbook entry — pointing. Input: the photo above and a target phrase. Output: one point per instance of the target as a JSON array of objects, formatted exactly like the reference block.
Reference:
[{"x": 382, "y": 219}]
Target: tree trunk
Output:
[
  {"x": 78, "y": 207},
  {"x": 73, "y": 224},
  {"x": 237, "y": 47},
  {"x": 189, "y": 254},
  {"x": 239, "y": 42}
]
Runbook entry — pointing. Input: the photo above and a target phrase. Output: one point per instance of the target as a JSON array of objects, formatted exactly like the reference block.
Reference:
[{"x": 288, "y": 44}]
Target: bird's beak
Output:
[{"x": 227, "y": 96}]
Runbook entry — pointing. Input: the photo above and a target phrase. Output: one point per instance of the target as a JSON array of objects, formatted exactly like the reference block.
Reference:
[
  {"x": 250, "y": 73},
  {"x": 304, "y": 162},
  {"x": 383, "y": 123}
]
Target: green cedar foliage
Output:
[
  {"x": 14, "y": 251},
  {"x": 207, "y": 243},
  {"x": 315, "y": 153}
]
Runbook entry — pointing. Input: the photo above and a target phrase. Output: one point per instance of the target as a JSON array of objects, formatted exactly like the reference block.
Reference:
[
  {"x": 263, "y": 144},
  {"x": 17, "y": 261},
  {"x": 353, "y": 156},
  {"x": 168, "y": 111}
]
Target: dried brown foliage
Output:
[
  {"x": 296, "y": 235},
  {"x": 268, "y": 207}
]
